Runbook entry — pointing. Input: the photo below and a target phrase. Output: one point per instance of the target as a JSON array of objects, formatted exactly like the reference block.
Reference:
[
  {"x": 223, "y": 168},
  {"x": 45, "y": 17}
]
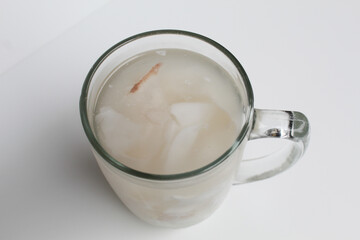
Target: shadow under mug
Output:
[{"x": 184, "y": 199}]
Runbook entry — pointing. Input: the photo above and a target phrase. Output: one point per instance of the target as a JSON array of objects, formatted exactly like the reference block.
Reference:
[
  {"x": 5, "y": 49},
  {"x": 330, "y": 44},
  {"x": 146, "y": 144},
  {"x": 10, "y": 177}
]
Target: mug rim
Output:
[{"x": 163, "y": 177}]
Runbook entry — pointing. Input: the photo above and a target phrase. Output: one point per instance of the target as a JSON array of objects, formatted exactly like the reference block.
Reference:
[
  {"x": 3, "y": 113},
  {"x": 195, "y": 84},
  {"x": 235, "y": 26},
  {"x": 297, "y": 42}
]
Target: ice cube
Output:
[
  {"x": 181, "y": 146},
  {"x": 116, "y": 132},
  {"x": 190, "y": 113}
]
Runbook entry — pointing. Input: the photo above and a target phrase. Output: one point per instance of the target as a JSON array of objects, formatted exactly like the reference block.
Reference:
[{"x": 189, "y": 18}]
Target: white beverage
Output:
[{"x": 168, "y": 111}]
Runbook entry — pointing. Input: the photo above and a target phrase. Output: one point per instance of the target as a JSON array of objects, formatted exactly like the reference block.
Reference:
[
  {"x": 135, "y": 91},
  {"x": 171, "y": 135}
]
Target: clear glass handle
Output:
[{"x": 289, "y": 125}]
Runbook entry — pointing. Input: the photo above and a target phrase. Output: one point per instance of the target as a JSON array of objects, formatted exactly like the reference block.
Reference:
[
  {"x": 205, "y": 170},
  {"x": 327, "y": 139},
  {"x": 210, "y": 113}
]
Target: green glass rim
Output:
[{"x": 161, "y": 177}]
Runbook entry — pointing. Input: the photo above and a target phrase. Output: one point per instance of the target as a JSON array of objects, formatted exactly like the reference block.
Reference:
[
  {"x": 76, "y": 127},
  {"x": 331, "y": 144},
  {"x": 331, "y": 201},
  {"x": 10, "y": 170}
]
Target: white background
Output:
[{"x": 299, "y": 55}]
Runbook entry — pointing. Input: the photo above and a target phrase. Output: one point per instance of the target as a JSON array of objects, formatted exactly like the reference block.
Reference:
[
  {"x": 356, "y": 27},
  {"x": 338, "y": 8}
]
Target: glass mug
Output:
[{"x": 184, "y": 199}]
